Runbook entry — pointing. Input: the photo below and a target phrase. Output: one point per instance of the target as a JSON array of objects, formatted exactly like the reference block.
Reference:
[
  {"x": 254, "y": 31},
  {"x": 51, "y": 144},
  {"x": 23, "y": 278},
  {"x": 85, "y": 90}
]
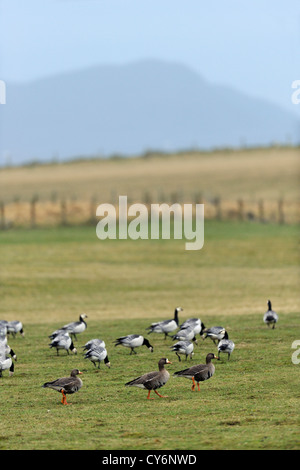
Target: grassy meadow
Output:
[{"x": 48, "y": 277}]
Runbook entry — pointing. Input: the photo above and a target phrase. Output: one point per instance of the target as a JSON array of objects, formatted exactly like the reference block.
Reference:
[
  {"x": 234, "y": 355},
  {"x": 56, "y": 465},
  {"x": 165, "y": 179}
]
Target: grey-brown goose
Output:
[
  {"x": 200, "y": 372},
  {"x": 152, "y": 380},
  {"x": 66, "y": 385}
]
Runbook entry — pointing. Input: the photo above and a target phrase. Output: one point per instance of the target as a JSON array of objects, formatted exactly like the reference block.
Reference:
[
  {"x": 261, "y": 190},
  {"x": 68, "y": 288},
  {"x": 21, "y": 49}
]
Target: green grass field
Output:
[{"x": 49, "y": 277}]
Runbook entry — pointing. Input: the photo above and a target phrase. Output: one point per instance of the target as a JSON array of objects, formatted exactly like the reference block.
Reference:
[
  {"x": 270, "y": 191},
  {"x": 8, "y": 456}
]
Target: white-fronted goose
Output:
[
  {"x": 63, "y": 341},
  {"x": 14, "y": 327},
  {"x": 76, "y": 327},
  {"x": 216, "y": 333},
  {"x": 195, "y": 323},
  {"x": 185, "y": 334},
  {"x": 132, "y": 342},
  {"x": 166, "y": 326},
  {"x": 270, "y": 317},
  {"x": 226, "y": 346},
  {"x": 97, "y": 354},
  {"x": 185, "y": 348},
  {"x": 152, "y": 380},
  {"x": 66, "y": 385},
  {"x": 200, "y": 372}
]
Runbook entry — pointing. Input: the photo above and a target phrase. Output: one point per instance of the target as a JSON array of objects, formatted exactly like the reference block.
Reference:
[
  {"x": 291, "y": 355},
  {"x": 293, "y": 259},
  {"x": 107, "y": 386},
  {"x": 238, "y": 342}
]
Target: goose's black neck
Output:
[{"x": 176, "y": 316}]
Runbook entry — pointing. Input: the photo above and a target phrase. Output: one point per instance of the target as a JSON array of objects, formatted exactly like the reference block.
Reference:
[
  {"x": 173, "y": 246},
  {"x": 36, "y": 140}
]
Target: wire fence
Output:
[{"x": 63, "y": 212}]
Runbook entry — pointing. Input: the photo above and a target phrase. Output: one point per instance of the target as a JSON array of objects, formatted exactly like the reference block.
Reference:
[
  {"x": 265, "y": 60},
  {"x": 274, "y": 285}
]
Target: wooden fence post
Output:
[
  {"x": 280, "y": 211},
  {"x": 198, "y": 198},
  {"x": 63, "y": 212},
  {"x": 92, "y": 218},
  {"x": 261, "y": 210},
  {"x": 217, "y": 204},
  {"x": 2, "y": 215},
  {"x": 33, "y": 211},
  {"x": 240, "y": 203}
]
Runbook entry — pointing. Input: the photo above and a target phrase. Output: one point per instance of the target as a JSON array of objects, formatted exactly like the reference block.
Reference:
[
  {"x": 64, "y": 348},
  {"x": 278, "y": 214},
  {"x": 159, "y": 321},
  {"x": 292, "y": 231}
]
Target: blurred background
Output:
[{"x": 162, "y": 101}]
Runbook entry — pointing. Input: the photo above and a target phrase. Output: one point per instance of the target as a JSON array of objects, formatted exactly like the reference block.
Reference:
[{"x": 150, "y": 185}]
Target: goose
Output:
[
  {"x": 226, "y": 346},
  {"x": 6, "y": 350},
  {"x": 77, "y": 326},
  {"x": 3, "y": 327},
  {"x": 60, "y": 331},
  {"x": 93, "y": 343},
  {"x": 185, "y": 334},
  {"x": 270, "y": 317},
  {"x": 183, "y": 347},
  {"x": 97, "y": 354},
  {"x": 132, "y": 342},
  {"x": 66, "y": 385},
  {"x": 6, "y": 363},
  {"x": 15, "y": 327},
  {"x": 200, "y": 372},
  {"x": 3, "y": 337},
  {"x": 63, "y": 341},
  {"x": 152, "y": 380},
  {"x": 195, "y": 323},
  {"x": 166, "y": 326},
  {"x": 216, "y": 333}
]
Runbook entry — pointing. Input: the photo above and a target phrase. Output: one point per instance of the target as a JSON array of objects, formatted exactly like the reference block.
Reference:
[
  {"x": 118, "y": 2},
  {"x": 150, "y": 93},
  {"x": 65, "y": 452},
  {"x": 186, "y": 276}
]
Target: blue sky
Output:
[{"x": 252, "y": 46}]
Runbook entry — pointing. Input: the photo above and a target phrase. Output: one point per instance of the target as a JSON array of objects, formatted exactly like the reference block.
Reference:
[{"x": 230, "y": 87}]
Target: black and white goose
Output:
[
  {"x": 195, "y": 323},
  {"x": 3, "y": 327},
  {"x": 215, "y": 333},
  {"x": 185, "y": 348},
  {"x": 94, "y": 343},
  {"x": 132, "y": 342},
  {"x": 6, "y": 362},
  {"x": 76, "y": 327},
  {"x": 270, "y": 317},
  {"x": 226, "y": 346},
  {"x": 97, "y": 354},
  {"x": 5, "y": 349},
  {"x": 185, "y": 334},
  {"x": 166, "y": 326},
  {"x": 14, "y": 327},
  {"x": 63, "y": 341}
]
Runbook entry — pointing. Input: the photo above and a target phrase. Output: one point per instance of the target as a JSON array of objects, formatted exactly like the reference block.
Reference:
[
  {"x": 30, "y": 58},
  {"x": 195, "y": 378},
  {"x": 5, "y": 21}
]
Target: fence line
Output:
[{"x": 63, "y": 211}]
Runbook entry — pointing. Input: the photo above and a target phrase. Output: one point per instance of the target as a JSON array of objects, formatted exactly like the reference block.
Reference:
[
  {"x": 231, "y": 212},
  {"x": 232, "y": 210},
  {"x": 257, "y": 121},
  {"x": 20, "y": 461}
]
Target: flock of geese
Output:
[{"x": 95, "y": 350}]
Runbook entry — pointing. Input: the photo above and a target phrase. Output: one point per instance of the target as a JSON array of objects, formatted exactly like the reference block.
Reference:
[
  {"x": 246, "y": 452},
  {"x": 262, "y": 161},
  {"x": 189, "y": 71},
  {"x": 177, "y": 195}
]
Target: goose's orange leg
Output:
[
  {"x": 161, "y": 396},
  {"x": 64, "y": 399},
  {"x": 148, "y": 396},
  {"x": 194, "y": 384}
]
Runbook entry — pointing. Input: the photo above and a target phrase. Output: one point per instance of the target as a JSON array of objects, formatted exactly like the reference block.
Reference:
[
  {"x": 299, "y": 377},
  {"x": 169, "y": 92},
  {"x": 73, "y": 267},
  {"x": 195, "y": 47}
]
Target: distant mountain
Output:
[{"x": 129, "y": 109}]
